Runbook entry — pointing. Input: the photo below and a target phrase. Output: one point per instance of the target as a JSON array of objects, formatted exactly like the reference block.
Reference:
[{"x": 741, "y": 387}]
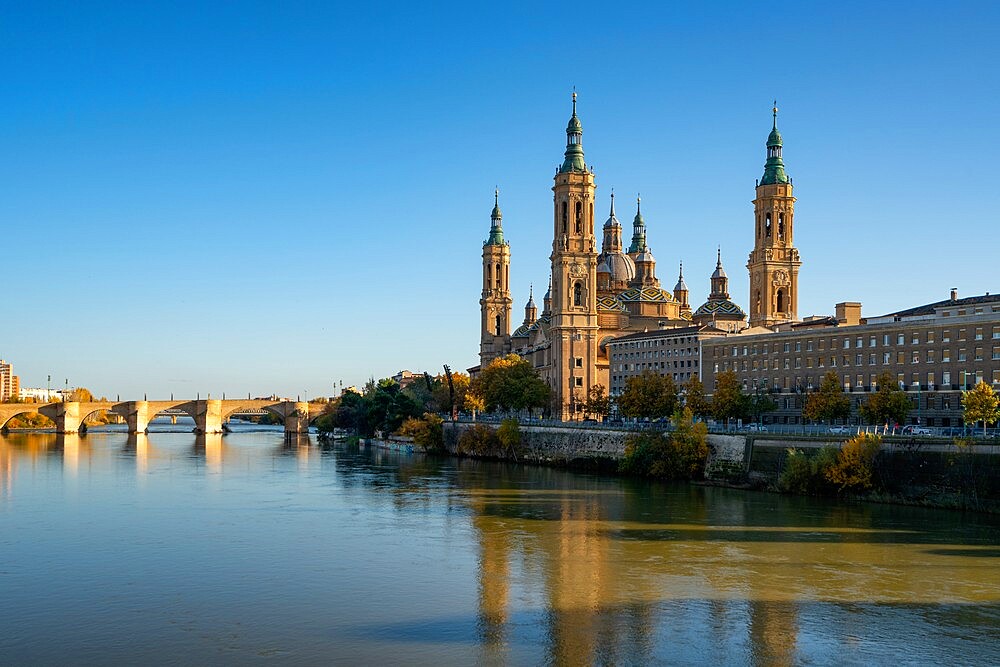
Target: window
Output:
[
  {"x": 901, "y": 357},
  {"x": 946, "y": 355},
  {"x": 857, "y": 359},
  {"x": 996, "y": 352},
  {"x": 961, "y": 354},
  {"x": 945, "y": 336},
  {"x": 979, "y": 333},
  {"x": 930, "y": 380},
  {"x": 994, "y": 335},
  {"x": 915, "y": 357},
  {"x": 885, "y": 339},
  {"x": 930, "y": 356},
  {"x": 579, "y": 218},
  {"x": 798, "y": 346},
  {"x": 499, "y": 326},
  {"x": 564, "y": 216},
  {"x": 961, "y": 334},
  {"x": 930, "y": 336},
  {"x": 578, "y": 294},
  {"x": 871, "y": 342},
  {"x": 900, "y": 339},
  {"x": 915, "y": 340},
  {"x": 847, "y": 343},
  {"x": 579, "y": 362},
  {"x": 871, "y": 359},
  {"x": 579, "y": 382},
  {"x": 859, "y": 342},
  {"x": 886, "y": 357},
  {"x": 979, "y": 354}
]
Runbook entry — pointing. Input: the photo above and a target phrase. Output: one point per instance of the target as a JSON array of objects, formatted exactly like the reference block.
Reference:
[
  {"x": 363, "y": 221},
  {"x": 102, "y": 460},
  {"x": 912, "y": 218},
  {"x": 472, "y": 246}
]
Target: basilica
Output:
[{"x": 596, "y": 296}]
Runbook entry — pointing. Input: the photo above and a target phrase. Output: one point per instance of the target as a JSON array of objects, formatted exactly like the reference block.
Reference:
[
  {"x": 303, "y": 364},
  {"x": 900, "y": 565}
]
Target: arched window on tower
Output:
[
  {"x": 578, "y": 294},
  {"x": 579, "y": 218},
  {"x": 499, "y": 328},
  {"x": 781, "y": 301},
  {"x": 565, "y": 216},
  {"x": 757, "y": 303},
  {"x": 767, "y": 225},
  {"x": 497, "y": 280},
  {"x": 781, "y": 226},
  {"x": 759, "y": 234}
]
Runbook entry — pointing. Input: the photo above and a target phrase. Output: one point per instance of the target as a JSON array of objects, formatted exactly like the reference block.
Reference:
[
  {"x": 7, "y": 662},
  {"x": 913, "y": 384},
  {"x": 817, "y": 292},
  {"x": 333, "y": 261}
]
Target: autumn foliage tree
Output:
[
  {"x": 888, "y": 404},
  {"x": 510, "y": 383},
  {"x": 648, "y": 395},
  {"x": 829, "y": 403},
  {"x": 980, "y": 404},
  {"x": 728, "y": 399}
]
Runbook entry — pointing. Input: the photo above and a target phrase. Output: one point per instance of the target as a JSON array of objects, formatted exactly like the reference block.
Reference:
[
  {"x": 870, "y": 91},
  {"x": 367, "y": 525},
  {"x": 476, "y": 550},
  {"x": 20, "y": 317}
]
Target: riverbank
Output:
[{"x": 907, "y": 471}]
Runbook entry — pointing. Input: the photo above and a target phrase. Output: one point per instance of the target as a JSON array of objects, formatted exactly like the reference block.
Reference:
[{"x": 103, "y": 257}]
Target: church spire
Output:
[
  {"x": 774, "y": 167},
  {"x": 496, "y": 219},
  {"x": 638, "y": 229},
  {"x": 720, "y": 281},
  {"x": 574, "y": 144}
]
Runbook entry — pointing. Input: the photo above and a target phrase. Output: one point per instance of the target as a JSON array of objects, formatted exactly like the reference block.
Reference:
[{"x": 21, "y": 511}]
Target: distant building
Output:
[
  {"x": 404, "y": 377},
  {"x": 673, "y": 352},
  {"x": 934, "y": 351},
  {"x": 41, "y": 394},
  {"x": 10, "y": 384}
]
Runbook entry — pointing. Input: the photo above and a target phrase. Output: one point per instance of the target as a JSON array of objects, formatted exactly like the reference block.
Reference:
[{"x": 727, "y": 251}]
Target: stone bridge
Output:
[{"x": 209, "y": 414}]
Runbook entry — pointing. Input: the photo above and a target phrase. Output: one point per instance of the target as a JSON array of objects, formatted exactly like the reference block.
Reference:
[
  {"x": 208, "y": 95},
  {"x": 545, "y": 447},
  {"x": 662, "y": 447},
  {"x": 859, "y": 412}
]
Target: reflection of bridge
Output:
[{"x": 209, "y": 414}]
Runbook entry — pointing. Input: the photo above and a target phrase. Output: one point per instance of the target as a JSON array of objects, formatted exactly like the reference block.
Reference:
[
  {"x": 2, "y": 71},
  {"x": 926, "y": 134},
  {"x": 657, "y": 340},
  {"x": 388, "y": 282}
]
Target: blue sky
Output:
[{"x": 276, "y": 197}]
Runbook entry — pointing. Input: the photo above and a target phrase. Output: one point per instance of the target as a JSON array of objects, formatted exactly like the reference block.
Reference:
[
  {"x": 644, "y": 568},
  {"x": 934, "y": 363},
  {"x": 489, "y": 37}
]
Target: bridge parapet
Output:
[{"x": 209, "y": 414}]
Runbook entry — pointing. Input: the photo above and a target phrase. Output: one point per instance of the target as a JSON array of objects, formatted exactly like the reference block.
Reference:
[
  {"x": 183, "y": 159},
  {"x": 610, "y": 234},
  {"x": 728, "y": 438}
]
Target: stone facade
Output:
[{"x": 934, "y": 352}]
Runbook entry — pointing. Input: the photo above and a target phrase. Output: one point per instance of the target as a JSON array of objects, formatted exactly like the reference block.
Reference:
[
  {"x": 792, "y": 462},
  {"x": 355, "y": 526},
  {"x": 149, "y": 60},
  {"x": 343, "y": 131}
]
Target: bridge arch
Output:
[
  {"x": 22, "y": 409},
  {"x": 247, "y": 407}
]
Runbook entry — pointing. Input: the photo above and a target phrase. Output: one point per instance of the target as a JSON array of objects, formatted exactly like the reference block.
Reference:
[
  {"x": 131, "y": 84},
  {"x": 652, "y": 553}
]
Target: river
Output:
[{"x": 244, "y": 549}]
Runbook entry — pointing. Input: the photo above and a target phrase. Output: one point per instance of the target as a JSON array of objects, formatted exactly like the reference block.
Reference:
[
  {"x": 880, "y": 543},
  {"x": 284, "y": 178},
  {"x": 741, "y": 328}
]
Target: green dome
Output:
[{"x": 774, "y": 139}]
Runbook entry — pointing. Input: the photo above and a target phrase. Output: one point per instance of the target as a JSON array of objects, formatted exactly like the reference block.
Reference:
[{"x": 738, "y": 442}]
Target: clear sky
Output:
[{"x": 276, "y": 197}]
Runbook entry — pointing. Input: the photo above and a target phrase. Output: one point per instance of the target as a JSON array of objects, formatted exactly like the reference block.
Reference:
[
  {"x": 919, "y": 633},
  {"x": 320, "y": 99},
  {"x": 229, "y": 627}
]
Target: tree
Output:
[
  {"x": 681, "y": 454},
  {"x": 759, "y": 402},
  {"x": 829, "y": 403},
  {"x": 980, "y": 404},
  {"x": 694, "y": 397},
  {"x": 475, "y": 403},
  {"x": 81, "y": 394},
  {"x": 888, "y": 404},
  {"x": 728, "y": 399},
  {"x": 598, "y": 403},
  {"x": 648, "y": 395},
  {"x": 511, "y": 383}
]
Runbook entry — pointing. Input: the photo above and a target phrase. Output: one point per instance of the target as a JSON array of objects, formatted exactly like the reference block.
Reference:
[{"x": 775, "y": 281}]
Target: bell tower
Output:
[
  {"x": 573, "y": 331},
  {"x": 774, "y": 261},
  {"x": 496, "y": 302}
]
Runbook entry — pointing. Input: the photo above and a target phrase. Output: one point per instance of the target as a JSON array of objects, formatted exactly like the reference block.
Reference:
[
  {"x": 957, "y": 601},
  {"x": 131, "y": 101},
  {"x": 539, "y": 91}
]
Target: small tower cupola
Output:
[
  {"x": 574, "y": 144},
  {"x": 530, "y": 311},
  {"x": 720, "y": 281},
  {"x": 638, "y": 230},
  {"x": 496, "y": 220},
  {"x": 681, "y": 291},
  {"x": 774, "y": 167}
]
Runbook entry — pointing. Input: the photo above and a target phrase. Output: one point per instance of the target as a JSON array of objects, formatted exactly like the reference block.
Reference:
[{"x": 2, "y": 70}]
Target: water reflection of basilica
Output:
[{"x": 611, "y": 591}]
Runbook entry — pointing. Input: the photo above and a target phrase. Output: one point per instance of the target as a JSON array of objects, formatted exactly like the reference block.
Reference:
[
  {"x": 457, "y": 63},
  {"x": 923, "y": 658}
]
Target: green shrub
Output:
[
  {"x": 426, "y": 431},
  {"x": 831, "y": 470},
  {"x": 479, "y": 440},
  {"x": 678, "y": 455}
]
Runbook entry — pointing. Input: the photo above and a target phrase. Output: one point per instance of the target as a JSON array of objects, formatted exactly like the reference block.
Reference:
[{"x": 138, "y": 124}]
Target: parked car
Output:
[
  {"x": 756, "y": 428},
  {"x": 839, "y": 430},
  {"x": 916, "y": 430}
]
